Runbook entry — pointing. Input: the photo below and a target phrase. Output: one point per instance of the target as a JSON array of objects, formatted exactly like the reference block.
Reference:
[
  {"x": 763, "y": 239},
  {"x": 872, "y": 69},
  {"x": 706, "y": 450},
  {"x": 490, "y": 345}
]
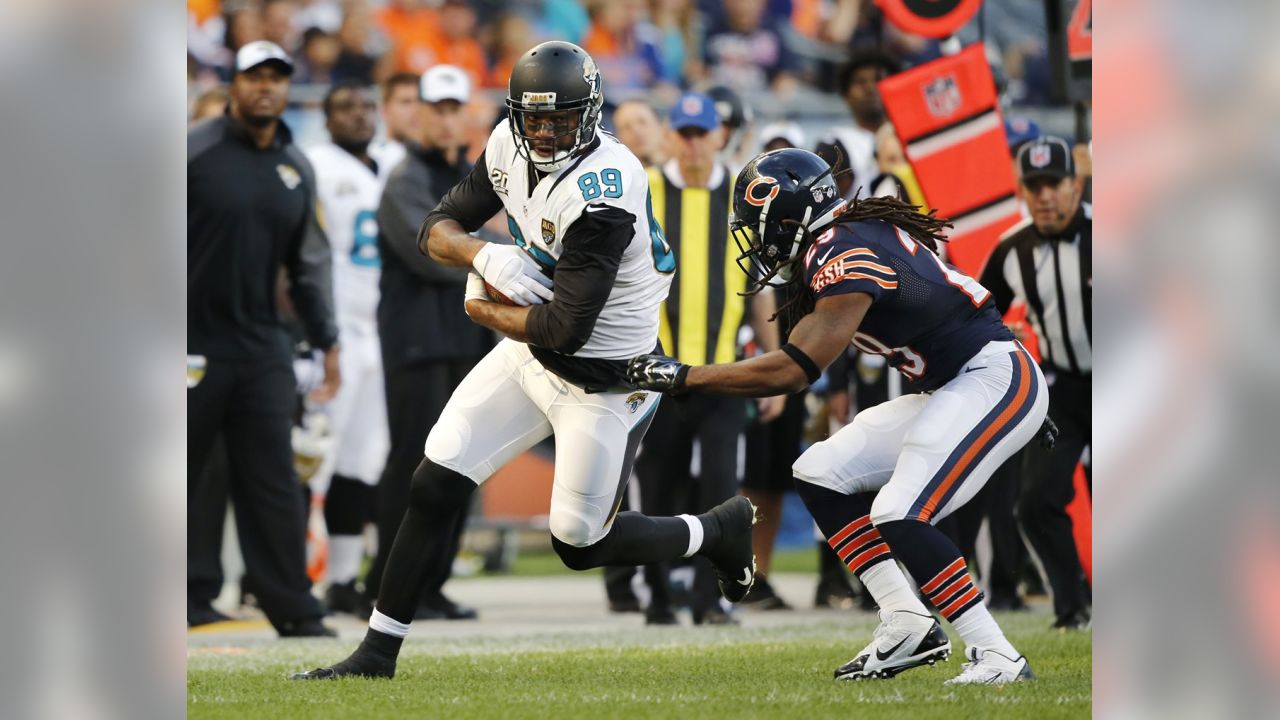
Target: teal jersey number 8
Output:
[{"x": 364, "y": 247}]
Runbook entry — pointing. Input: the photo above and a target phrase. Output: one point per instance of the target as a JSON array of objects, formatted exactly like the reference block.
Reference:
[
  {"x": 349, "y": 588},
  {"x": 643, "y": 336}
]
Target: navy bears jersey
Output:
[{"x": 927, "y": 319}]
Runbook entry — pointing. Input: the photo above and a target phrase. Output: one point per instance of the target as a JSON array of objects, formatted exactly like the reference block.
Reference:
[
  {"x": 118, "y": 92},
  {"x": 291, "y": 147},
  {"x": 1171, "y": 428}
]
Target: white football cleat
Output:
[
  {"x": 904, "y": 640},
  {"x": 988, "y": 667}
]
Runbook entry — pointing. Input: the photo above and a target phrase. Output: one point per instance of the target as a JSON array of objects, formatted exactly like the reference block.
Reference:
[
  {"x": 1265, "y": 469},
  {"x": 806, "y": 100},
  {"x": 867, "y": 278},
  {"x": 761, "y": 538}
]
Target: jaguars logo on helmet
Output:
[{"x": 553, "y": 103}]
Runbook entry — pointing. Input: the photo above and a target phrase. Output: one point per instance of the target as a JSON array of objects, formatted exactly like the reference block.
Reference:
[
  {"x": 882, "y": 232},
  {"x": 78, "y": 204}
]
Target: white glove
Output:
[
  {"x": 513, "y": 273},
  {"x": 475, "y": 290}
]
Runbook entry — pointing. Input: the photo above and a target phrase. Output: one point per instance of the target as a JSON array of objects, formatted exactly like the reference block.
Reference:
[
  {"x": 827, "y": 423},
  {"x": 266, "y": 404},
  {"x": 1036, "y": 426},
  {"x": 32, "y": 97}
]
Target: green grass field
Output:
[{"x": 780, "y": 671}]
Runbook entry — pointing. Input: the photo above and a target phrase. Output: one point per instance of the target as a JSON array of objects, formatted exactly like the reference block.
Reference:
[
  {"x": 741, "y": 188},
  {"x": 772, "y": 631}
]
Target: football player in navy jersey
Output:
[{"x": 871, "y": 276}]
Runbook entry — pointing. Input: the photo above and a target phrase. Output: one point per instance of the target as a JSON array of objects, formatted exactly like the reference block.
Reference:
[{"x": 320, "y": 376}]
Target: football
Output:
[{"x": 497, "y": 296}]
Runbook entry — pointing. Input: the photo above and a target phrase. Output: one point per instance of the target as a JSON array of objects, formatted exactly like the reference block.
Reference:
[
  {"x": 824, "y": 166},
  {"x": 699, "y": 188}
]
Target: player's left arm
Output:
[
  {"x": 821, "y": 336},
  {"x": 584, "y": 276}
]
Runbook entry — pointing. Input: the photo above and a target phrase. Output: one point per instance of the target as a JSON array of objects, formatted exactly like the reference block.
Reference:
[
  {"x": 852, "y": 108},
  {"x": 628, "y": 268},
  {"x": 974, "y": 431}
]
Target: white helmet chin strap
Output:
[{"x": 800, "y": 231}]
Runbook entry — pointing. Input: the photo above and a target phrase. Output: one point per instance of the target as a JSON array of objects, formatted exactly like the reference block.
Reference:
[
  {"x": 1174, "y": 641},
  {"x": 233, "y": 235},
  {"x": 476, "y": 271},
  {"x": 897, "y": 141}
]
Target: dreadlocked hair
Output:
[
  {"x": 924, "y": 229},
  {"x": 797, "y": 299}
]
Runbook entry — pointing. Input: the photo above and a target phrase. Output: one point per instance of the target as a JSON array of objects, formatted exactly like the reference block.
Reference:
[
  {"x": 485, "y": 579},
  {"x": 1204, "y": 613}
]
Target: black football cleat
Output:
[
  {"x": 903, "y": 641},
  {"x": 730, "y": 551},
  {"x": 364, "y": 662}
]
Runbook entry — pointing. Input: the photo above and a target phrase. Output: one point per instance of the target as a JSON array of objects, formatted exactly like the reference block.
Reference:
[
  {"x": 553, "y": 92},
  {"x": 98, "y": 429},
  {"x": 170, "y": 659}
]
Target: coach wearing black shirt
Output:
[
  {"x": 250, "y": 211},
  {"x": 1048, "y": 264}
]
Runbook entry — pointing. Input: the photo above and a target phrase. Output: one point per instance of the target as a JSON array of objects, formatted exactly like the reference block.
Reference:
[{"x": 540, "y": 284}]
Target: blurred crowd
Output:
[{"x": 655, "y": 46}]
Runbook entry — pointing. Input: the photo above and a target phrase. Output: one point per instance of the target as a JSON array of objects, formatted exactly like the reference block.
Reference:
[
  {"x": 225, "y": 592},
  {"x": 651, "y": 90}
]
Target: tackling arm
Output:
[{"x": 822, "y": 335}]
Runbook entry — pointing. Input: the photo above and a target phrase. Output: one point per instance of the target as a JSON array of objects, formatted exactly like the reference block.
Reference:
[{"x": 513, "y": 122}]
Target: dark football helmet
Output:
[
  {"x": 781, "y": 200},
  {"x": 546, "y": 82}
]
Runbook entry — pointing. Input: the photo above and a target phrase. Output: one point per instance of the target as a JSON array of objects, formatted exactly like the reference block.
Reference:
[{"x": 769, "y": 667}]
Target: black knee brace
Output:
[{"x": 435, "y": 488}]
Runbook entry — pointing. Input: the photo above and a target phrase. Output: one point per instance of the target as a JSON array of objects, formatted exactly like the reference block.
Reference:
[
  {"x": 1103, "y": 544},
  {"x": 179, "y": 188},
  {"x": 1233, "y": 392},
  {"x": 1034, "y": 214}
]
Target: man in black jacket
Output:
[
  {"x": 428, "y": 343},
  {"x": 251, "y": 211}
]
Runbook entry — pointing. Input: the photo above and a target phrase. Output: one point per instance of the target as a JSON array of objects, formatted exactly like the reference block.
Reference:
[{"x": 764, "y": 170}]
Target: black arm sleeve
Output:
[
  {"x": 310, "y": 268},
  {"x": 993, "y": 277},
  {"x": 405, "y": 201},
  {"x": 471, "y": 202},
  {"x": 584, "y": 276}
]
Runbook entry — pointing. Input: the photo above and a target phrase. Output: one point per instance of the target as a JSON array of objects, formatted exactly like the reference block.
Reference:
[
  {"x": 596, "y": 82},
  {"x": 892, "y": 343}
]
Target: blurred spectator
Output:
[
  {"x": 637, "y": 125},
  {"x": 676, "y": 29},
  {"x": 627, "y": 61},
  {"x": 512, "y": 36},
  {"x": 456, "y": 43},
  {"x": 250, "y": 212},
  {"x": 564, "y": 20},
  {"x": 319, "y": 56},
  {"x": 1017, "y": 131},
  {"x": 830, "y": 21},
  {"x": 854, "y": 146},
  {"x": 776, "y": 136},
  {"x": 746, "y": 55},
  {"x": 324, "y": 14},
  {"x": 412, "y": 28},
  {"x": 356, "y": 62},
  {"x": 401, "y": 120},
  {"x": 278, "y": 23},
  {"x": 243, "y": 26},
  {"x": 735, "y": 118},
  {"x": 891, "y": 162},
  {"x": 211, "y": 103}
]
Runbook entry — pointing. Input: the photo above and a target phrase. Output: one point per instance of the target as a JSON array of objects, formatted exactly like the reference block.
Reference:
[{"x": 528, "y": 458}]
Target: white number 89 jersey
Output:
[{"x": 607, "y": 175}]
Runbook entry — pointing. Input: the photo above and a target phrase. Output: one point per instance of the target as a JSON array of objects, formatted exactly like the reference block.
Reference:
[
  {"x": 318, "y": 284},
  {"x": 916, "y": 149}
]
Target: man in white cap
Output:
[
  {"x": 428, "y": 343},
  {"x": 251, "y": 210}
]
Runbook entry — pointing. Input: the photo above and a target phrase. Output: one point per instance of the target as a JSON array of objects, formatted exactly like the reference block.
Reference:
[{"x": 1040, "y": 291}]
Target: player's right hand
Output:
[{"x": 513, "y": 273}]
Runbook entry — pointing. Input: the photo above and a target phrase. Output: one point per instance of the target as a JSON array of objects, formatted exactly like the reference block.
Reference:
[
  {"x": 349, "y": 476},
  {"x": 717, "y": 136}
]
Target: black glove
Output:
[
  {"x": 1048, "y": 434},
  {"x": 657, "y": 372}
]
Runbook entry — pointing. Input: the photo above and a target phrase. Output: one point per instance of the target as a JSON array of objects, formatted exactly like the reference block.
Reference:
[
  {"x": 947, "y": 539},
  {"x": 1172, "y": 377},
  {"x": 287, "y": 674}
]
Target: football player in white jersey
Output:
[
  {"x": 349, "y": 187},
  {"x": 586, "y": 276}
]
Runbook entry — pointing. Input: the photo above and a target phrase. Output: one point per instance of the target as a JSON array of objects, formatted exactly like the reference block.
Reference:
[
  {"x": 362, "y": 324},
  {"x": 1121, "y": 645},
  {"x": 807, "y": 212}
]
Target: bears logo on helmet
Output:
[{"x": 750, "y": 193}]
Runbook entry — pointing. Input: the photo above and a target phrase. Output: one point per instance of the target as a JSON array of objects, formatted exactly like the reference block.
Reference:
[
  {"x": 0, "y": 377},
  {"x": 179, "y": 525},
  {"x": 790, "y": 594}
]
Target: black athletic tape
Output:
[{"x": 805, "y": 362}]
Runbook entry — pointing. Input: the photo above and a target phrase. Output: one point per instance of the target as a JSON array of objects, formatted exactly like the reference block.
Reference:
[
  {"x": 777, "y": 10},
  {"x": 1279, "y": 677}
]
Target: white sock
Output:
[
  {"x": 695, "y": 534},
  {"x": 979, "y": 629},
  {"x": 888, "y": 585},
  {"x": 345, "y": 552},
  {"x": 388, "y": 626}
]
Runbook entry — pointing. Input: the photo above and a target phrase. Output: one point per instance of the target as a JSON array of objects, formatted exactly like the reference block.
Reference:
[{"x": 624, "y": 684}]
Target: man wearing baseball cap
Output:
[
  {"x": 428, "y": 343},
  {"x": 691, "y": 195},
  {"x": 251, "y": 210},
  {"x": 1048, "y": 265}
]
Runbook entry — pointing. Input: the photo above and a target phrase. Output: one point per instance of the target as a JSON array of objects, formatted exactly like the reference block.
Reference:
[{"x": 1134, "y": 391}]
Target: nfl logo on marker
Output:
[
  {"x": 943, "y": 96},
  {"x": 1040, "y": 156}
]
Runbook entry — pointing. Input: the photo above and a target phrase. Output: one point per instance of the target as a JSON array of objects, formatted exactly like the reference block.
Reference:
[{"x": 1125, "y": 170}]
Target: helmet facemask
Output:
[{"x": 773, "y": 263}]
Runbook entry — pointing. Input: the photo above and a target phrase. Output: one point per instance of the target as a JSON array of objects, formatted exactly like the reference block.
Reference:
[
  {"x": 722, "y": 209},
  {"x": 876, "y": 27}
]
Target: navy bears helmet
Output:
[
  {"x": 781, "y": 200},
  {"x": 546, "y": 82}
]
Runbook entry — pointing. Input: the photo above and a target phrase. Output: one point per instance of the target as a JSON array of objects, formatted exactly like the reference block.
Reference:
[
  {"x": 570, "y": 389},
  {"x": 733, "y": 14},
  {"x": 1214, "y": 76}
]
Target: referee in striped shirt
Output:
[{"x": 1047, "y": 263}]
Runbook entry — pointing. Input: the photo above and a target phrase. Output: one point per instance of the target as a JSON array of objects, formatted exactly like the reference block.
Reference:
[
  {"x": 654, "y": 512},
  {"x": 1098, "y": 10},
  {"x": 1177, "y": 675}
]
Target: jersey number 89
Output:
[{"x": 590, "y": 184}]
